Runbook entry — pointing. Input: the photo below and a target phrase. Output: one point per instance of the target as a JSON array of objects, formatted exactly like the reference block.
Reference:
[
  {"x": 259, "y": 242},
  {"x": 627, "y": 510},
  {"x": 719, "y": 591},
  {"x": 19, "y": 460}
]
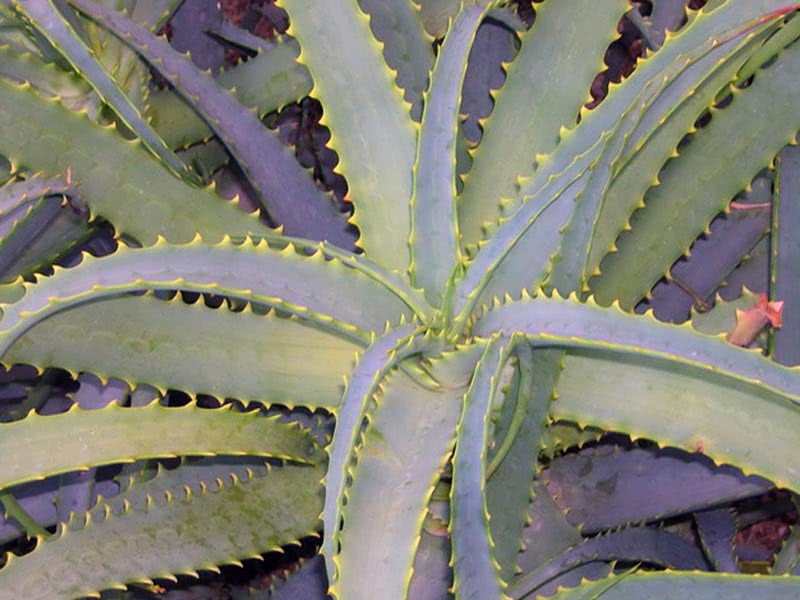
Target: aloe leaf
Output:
[
  {"x": 52, "y": 24},
  {"x": 699, "y": 61},
  {"x": 603, "y": 488},
  {"x": 257, "y": 357},
  {"x": 716, "y": 529},
  {"x": 373, "y": 365},
  {"x": 508, "y": 489},
  {"x": 250, "y": 271},
  {"x": 267, "y": 82},
  {"x": 17, "y": 197},
  {"x": 786, "y": 254},
  {"x": 405, "y": 446},
  {"x": 291, "y": 196},
  {"x": 635, "y": 544},
  {"x": 434, "y": 229},
  {"x": 49, "y": 228},
  {"x": 377, "y": 147},
  {"x": 698, "y": 586},
  {"x": 527, "y": 114},
  {"x": 675, "y": 392},
  {"x": 476, "y": 573},
  {"x": 118, "y": 180},
  {"x": 115, "y": 434},
  {"x": 772, "y": 47},
  {"x": 698, "y": 198},
  {"x": 73, "y": 91},
  {"x": 407, "y": 48},
  {"x": 179, "y": 532},
  {"x": 565, "y": 177},
  {"x": 555, "y": 322}
]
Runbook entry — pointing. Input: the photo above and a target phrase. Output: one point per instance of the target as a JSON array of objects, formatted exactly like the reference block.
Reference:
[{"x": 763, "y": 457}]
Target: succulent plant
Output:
[{"x": 479, "y": 303}]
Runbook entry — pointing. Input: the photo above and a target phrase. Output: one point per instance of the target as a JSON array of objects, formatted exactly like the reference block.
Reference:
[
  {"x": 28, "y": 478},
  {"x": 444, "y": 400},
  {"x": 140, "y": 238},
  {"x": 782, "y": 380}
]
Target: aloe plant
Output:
[{"x": 482, "y": 318}]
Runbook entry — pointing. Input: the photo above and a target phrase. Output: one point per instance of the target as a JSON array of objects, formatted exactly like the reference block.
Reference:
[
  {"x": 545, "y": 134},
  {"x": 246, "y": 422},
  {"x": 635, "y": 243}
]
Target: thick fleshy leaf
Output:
[
  {"x": 406, "y": 47},
  {"x": 383, "y": 354},
  {"x": 646, "y": 399},
  {"x": 476, "y": 573},
  {"x": 243, "y": 355},
  {"x": 435, "y": 251},
  {"x": 179, "y": 532},
  {"x": 118, "y": 180},
  {"x": 290, "y": 195},
  {"x": 405, "y": 446},
  {"x": 377, "y": 149},
  {"x": 250, "y": 271},
  {"x": 528, "y": 112},
  {"x": 698, "y": 184},
  {"x": 508, "y": 489},
  {"x": 58, "y": 30},
  {"x": 115, "y": 434},
  {"x": 266, "y": 82},
  {"x": 698, "y": 586}
]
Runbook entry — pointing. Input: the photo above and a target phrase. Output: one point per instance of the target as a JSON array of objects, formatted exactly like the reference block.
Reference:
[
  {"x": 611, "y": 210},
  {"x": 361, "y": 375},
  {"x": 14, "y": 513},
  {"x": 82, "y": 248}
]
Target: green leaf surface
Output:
[
  {"x": 180, "y": 532},
  {"x": 698, "y": 586},
  {"x": 87, "y": 438},
  {"x": 476, "y": 573},
  {"x": 249, "y": 271},
  {"x": 435, "y": 250},
  {"x": 556, "y": 322},
  {"x": 377, "y": 147},
  {"x": 651, "y": 401},
  {"x": 218, "y": 352},
  {"x": 118, "y": 180},
  {"x": 529, "y": 111},
  {"x": 407, "y": 48},
  {"x": 508, "y": 489},
  {"x": 404, "y": 449},
  {"x": 57, "y": 29},
  {"x": 383, "y": 354},
  {"x": 702, "y": 180},
  {"x": 289, "y": 193},
  {"x": 267, "y": 82}
]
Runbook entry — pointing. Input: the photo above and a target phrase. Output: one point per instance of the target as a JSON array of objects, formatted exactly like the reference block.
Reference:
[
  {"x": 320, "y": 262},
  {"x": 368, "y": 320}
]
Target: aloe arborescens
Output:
[{"x": 470, "y": 304}]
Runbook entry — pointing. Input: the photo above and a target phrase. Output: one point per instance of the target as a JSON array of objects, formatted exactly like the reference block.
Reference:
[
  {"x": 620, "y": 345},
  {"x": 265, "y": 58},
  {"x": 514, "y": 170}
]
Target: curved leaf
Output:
[
  {"x": 475, "y": 570},
  {"x": 118, "y": 180},
  {"x": 250, "y": 271},
  {"x": 290, "y": 195},
  {"x": 176, "y": 533},
  {"x": 376, "y": 147},
  {"x": 86, "y": 438},
  {"x": 219, "y": 352},
  {"x": 435, "y": 251},
  {"x": 57, "y": 29},
  {"x": 405, "y": 446},
  {"x": 373, "y": 365}
]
